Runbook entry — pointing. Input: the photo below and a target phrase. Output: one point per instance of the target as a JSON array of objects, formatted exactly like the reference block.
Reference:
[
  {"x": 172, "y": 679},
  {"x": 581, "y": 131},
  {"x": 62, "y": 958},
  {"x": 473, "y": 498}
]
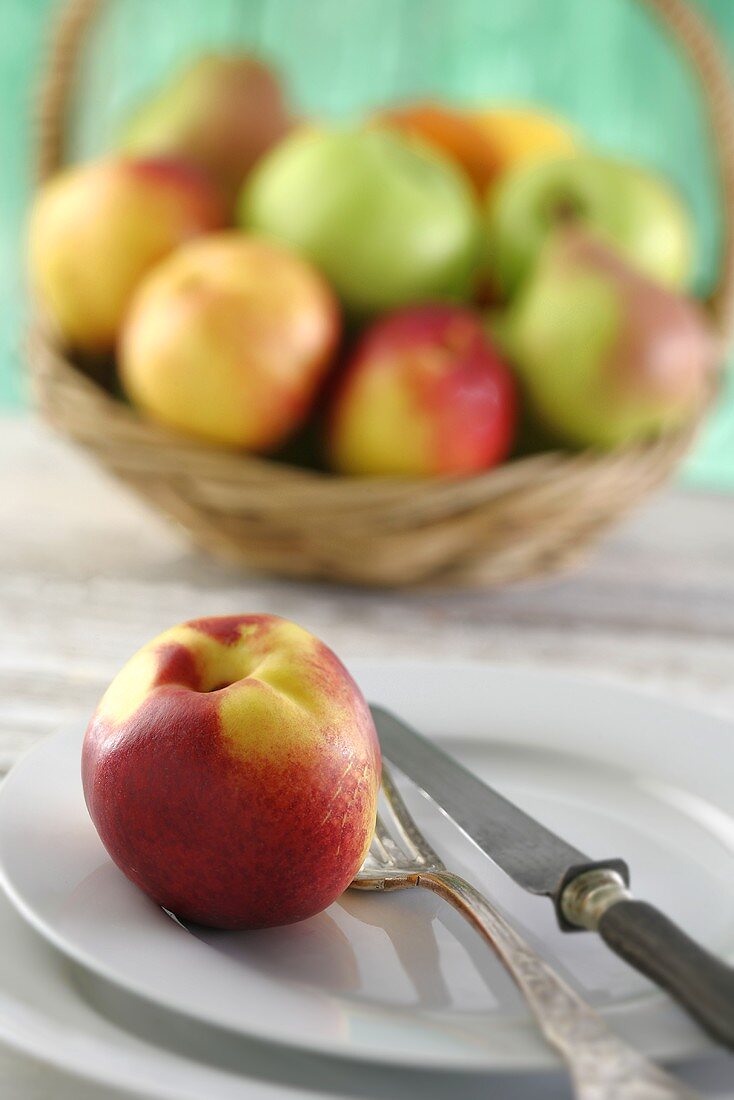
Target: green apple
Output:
[
  {"x": 386, "y": 219},
  {"x": 605, "y": 355},
  {"x": 627, "y": 208},
  {"x": 222, "y": 111}
]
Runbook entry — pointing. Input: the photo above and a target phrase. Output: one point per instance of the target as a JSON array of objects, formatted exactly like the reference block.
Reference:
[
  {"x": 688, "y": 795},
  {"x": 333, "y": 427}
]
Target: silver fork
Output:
[{"x": 602, "y": 1066}]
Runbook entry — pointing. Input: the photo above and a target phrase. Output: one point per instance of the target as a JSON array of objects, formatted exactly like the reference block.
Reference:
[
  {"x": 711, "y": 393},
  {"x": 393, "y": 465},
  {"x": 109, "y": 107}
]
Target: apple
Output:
[
  {"x": 231, "y": 770},
  {"x": 96, "y": 230},
  {"x": 626, "y": 207},
  {"x": 425, "y": 393},
  {"x": 452, "y": 132},
  {"x": 222, "y": 112},
  {"x": 606, "y": 356},
  {"x": 228, "y": 340},
  {"x": 386, "y": 219}
]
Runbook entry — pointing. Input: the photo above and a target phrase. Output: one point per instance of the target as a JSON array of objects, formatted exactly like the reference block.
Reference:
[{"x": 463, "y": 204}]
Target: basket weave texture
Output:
[{"x": 531, "y": 517}]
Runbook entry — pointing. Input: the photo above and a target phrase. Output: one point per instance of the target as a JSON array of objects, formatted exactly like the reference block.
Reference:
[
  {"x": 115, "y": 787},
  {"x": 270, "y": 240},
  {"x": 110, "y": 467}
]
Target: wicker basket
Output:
[{"x": 531, "y": 517}]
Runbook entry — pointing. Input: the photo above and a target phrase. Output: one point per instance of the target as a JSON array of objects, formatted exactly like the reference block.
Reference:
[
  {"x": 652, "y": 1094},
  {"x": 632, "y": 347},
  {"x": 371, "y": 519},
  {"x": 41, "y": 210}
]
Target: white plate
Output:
[
  {"x": 400, "y": 979},
  {"x": 43, "y": 1014},
  {"x": 58, "y": 1014}
]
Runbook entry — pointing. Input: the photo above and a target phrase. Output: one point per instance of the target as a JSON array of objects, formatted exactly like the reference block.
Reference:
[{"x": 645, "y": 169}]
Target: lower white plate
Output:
[
  {"x": 399, "y": 978},
  {"x": 62, "y": 1016},
  {"x": 45, "y": 1014}
]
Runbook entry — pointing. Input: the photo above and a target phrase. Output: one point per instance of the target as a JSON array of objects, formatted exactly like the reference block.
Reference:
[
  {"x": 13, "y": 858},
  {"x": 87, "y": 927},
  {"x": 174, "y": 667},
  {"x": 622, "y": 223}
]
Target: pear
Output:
[
  {"x": 222, "y": 112},
  {"x": 605, "y": 355}
]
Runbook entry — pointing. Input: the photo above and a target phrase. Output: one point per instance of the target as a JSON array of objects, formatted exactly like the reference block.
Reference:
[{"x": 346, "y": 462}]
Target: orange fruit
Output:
[
  {"x": 454, "y": 133},
  {"x": 517, "y": 134}
]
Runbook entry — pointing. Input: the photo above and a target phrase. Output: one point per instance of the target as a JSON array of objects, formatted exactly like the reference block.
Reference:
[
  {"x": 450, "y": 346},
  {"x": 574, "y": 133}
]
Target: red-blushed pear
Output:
[
  {"x": 231, "y": 770},
  {"x": 228, "y": 341},
  {"x": 221, "y": 112},
  {"x": 426, "y": 393},
  {"x": 97, "y": 229},
  {"x": 606, "y": 356}
]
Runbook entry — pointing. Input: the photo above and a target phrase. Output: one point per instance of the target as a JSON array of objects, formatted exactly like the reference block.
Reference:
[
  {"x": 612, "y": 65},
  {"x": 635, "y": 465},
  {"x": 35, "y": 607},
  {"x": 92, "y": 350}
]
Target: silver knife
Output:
[{"x": 588, "y": 894}]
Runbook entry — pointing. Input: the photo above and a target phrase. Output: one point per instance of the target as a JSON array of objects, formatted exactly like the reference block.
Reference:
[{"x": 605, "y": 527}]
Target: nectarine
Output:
[
  {"x": 228, "y": 341},
  {"x": 231, "y": 770},
  {"x": 95, "y": 230},
  {"x": 426, "y": 393}
]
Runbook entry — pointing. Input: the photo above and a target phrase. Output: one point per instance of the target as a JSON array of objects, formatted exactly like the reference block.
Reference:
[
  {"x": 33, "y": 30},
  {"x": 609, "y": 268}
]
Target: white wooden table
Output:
[{"x": 88, "y": 573}]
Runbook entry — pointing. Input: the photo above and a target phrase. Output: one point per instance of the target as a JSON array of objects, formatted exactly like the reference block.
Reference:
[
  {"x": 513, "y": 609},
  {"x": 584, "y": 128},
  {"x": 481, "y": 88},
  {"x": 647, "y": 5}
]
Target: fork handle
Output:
[{"x": 602, "y": 1066}]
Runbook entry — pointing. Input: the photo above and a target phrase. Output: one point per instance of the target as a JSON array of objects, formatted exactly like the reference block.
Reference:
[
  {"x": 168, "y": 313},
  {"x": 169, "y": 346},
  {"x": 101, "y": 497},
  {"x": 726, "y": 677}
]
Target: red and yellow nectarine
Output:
[
  {"x": 426, "y": 393},
  {"x": 231, "y": 770},
  {"x": 228, "y": 340},
  {"x": 95, "y": 230}
]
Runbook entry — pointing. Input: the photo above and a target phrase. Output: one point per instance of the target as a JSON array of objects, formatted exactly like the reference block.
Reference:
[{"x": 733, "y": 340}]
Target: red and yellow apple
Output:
[
  {"x": 426, "y": 393},
  {"x": 96, "y": 230},
  {"x": 221, "y": 112},
  {"x": 228, "y": 341},
  {"x": 231, "y": 770}
]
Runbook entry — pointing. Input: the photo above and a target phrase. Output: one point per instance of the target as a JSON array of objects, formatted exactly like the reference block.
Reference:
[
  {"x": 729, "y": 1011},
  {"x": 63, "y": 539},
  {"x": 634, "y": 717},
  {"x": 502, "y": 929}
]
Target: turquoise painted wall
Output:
[{"x": 604, "y": 64}]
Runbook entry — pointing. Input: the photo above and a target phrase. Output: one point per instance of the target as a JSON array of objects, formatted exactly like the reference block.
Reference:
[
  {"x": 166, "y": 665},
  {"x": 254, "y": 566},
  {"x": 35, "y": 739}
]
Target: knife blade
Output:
[
  {"x": 527, "y": 851},
  {"x": 587, "y": 894}
]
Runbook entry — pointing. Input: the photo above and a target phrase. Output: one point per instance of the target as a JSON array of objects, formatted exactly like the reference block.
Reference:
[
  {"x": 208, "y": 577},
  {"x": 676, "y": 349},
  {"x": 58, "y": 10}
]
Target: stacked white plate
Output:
[{"x": 381, "y": 995}]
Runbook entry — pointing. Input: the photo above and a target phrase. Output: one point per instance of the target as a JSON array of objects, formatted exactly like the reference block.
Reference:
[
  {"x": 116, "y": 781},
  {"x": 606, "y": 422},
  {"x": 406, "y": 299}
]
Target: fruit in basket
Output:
[
  {"x": 628, "y": 208},
  {"x": 388, "y": 221},
  {"x": 95, "y": 230},
  {"x": 221, "y": 112},
  {"x": 484, "y": 143},
  {"x": 452, "y": 132},
  {"x": 228, "y": 341},
  {"x": 426, "y": 393},
  {"x": 231, "y": 770},
  {"x": 518, "y": 135},
  {"x": 606, "y": 356}
]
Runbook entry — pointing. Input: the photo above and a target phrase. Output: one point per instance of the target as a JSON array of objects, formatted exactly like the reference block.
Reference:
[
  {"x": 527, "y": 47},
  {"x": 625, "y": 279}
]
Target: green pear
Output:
[
  {"x": 221, "y": 112},
  {"x": 388, "y": 220},
  {"x": 631, "y": 210},
  {"x": 606, "y": 356}
]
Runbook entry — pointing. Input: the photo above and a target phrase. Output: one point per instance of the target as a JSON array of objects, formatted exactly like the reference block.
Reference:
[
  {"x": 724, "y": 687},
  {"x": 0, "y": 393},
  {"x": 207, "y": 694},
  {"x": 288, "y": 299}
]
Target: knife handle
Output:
[{"x": 648, "y": 940}]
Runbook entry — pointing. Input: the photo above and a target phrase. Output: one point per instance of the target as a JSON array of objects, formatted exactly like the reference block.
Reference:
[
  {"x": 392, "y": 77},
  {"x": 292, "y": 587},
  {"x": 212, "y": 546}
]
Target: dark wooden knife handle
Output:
[{"x": 702, "y": 984}]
